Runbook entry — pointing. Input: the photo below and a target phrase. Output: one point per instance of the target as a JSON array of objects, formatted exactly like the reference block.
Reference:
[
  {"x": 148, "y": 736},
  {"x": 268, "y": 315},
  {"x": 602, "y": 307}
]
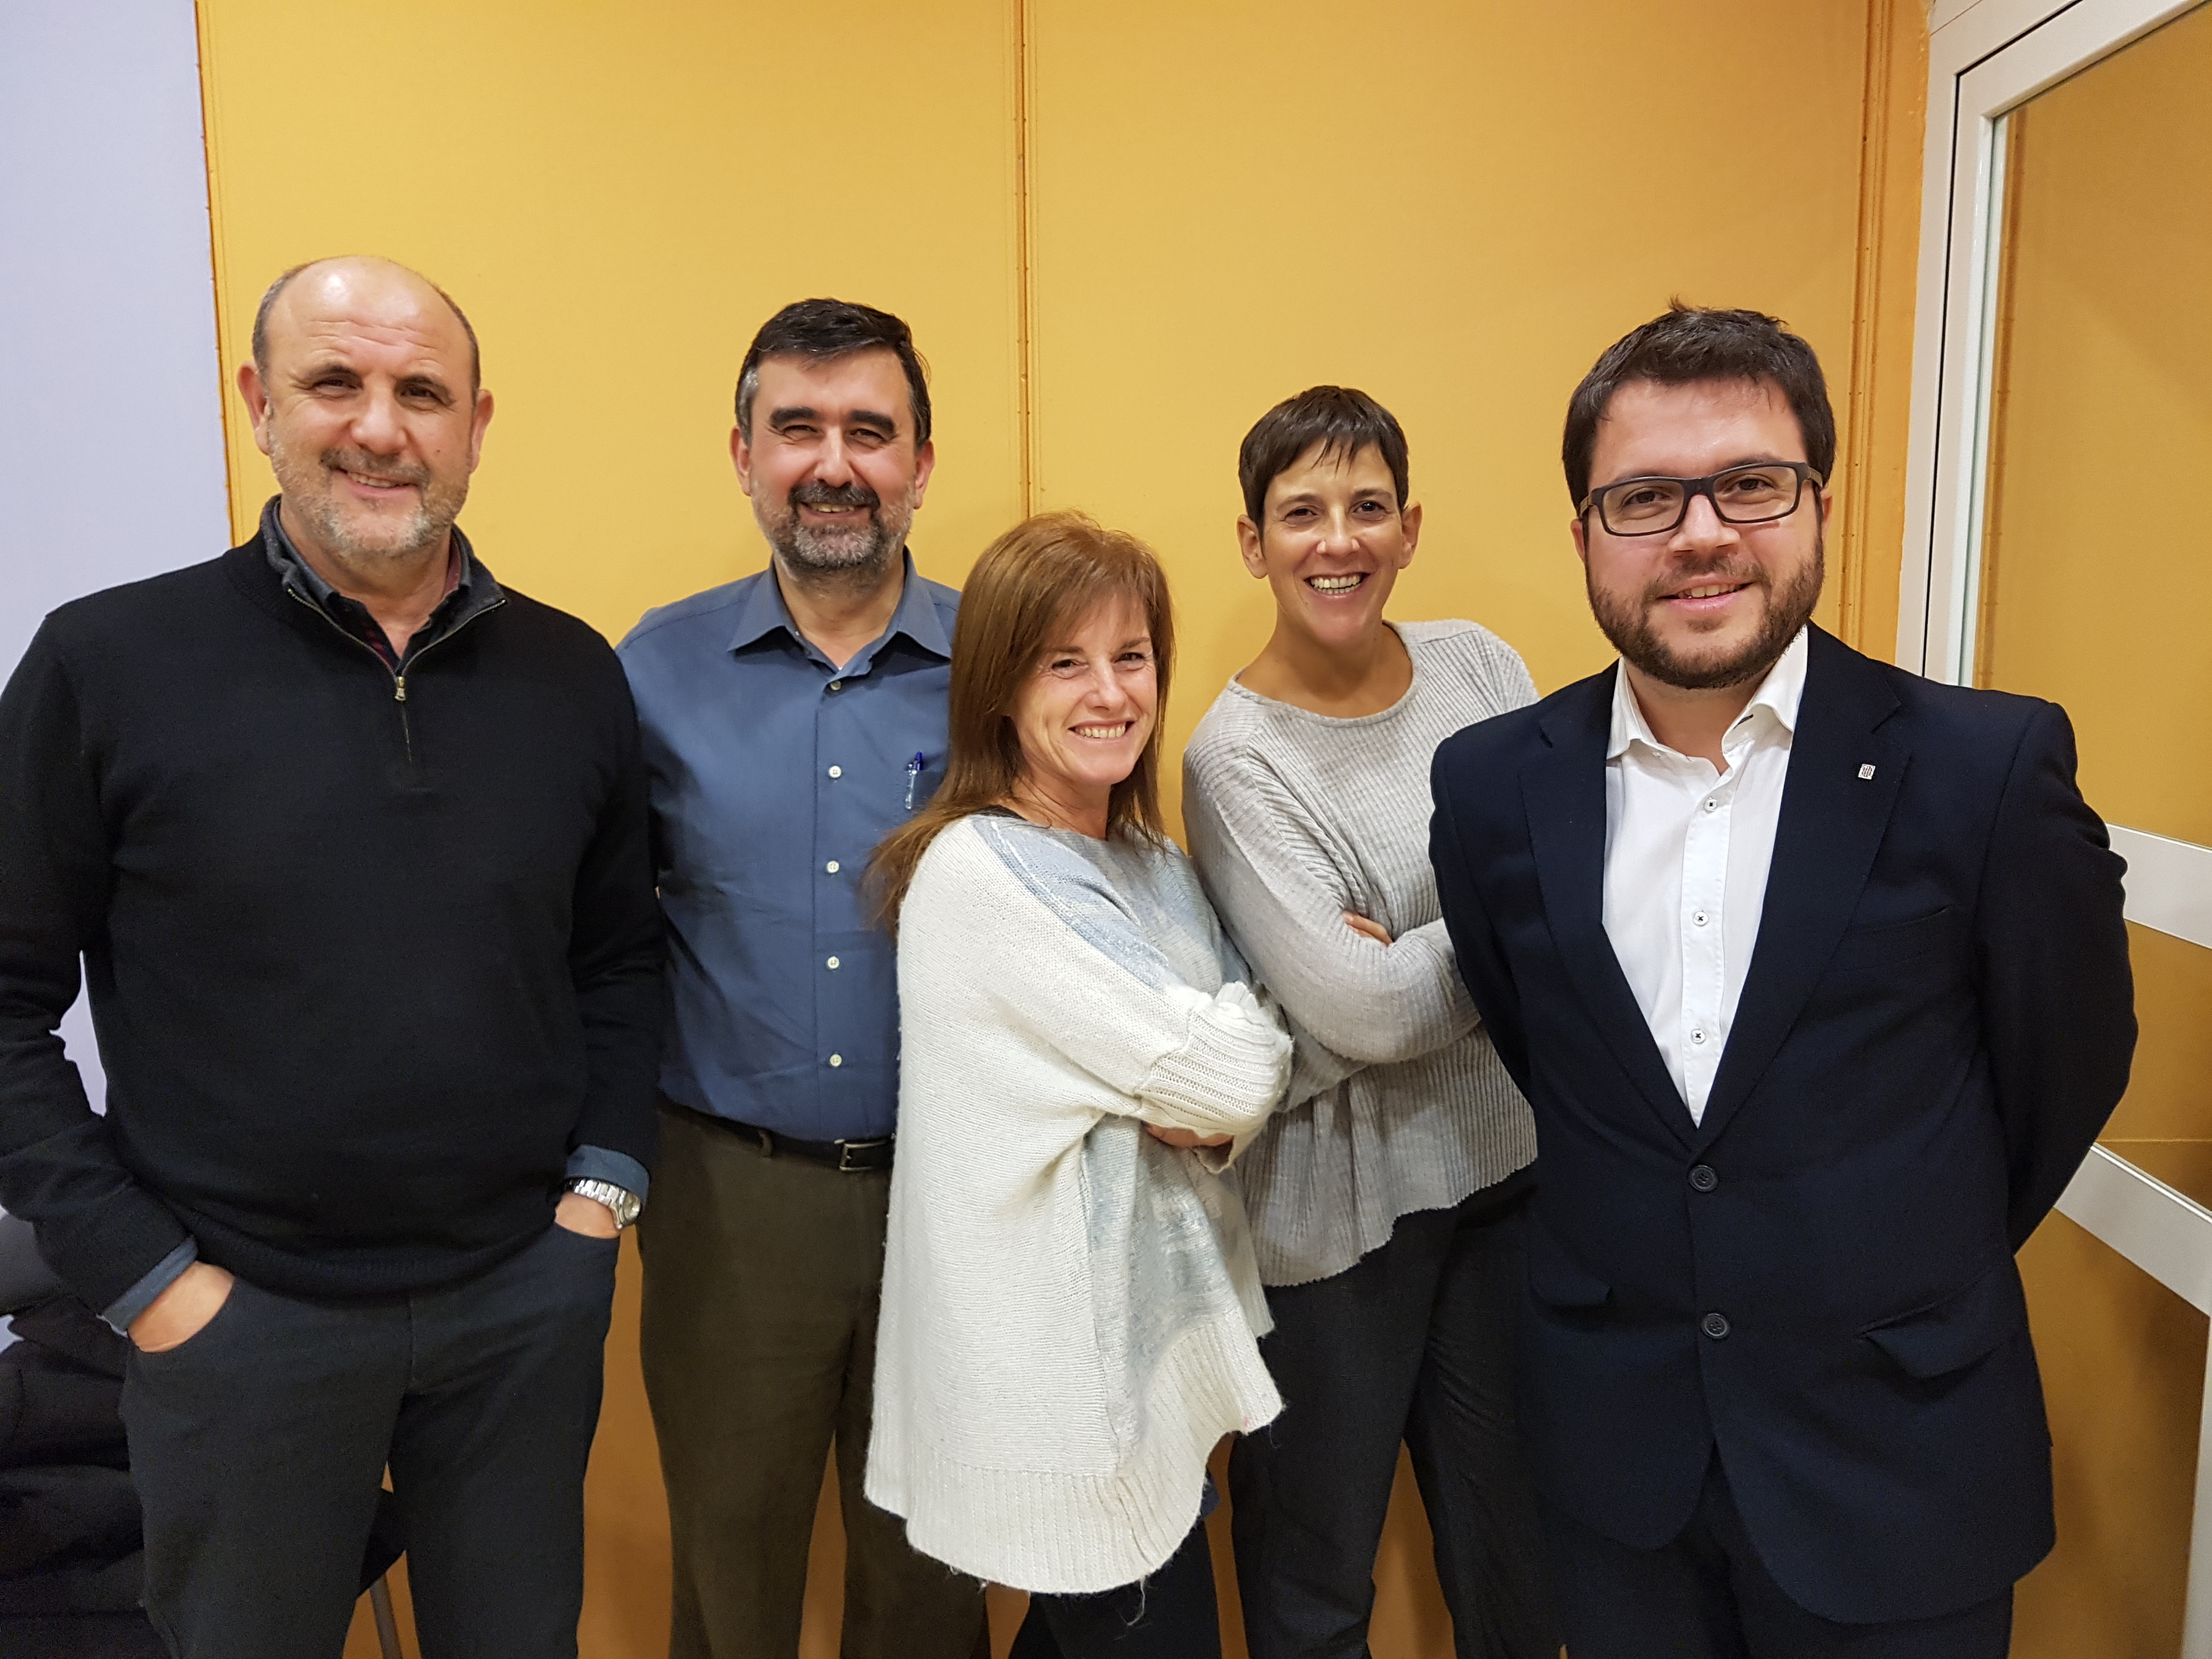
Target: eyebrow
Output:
[
  {"x": 874, "y": 420},
  {"x": 1074, "y": 650},
  {"x": 425, "y": 380},
  {"x": 1725, "y": 466},
  {"x": 315, "y": 371},
  {"x": 1364, "y": 493}
]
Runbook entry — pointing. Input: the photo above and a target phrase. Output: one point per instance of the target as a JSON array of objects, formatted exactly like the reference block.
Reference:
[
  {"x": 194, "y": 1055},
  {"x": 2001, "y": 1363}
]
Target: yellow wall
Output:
[
  {"x": 2097, "y": 579},
  {"x": 619, "y": 195},
  {"x": 1445, "y": 205},
  {"x": 1171, "y": 214}
]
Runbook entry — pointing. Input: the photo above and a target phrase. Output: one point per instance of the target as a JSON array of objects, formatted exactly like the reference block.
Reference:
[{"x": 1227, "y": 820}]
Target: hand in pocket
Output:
[
  {"x": 182, "y": 1310},
  {"x": 584, "y": 1215}
]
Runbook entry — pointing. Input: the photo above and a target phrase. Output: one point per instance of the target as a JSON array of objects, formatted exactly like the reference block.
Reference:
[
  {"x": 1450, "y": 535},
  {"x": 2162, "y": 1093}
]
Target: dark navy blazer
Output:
[{"x": 1818, "y": 1280}]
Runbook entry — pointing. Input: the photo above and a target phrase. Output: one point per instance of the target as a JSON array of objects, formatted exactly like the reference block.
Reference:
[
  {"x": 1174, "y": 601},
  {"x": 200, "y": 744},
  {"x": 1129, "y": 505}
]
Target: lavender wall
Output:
[{"x": 111, "y": 428}]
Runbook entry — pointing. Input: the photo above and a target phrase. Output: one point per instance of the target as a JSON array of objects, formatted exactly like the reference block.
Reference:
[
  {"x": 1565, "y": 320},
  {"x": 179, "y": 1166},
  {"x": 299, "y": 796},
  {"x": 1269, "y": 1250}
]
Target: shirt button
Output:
[
  {"x": 837, "y": 1060},
  {"x": 1699, "y": 917},
  {"x": 836, "y": 685},
  {"x": 1713, "y": 806},
  {"x": 1703, "y": 1178},
  {"x": 1697, "y": 1036},
  {"x": 833, "y": 962},
  {"x": 831, "y": 866},
  {"x": 1714, "y": 1325},
  {"x": 837, "y": 771}
]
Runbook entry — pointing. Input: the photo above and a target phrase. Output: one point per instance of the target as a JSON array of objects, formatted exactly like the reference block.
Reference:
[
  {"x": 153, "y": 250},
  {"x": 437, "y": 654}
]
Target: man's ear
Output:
[
  {"x": 925, "y": 463},
  {"x": 1581, "y": 533},
  {"x": 257, "y": 403},
  {"x": 741, "y": 457},
  {"x": 478, "y": 422},
  {"x": 1248, "y": 548}
]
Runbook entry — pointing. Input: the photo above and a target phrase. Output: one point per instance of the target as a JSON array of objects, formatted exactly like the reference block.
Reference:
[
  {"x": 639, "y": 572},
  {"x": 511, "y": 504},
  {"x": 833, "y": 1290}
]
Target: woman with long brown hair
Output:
[{"x": 1070, "y": 1306}]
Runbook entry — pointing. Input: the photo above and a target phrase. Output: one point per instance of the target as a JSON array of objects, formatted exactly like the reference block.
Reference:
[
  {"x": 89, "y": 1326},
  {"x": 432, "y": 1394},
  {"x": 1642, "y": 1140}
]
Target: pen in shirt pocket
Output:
[{"x": 913, "y": 776}]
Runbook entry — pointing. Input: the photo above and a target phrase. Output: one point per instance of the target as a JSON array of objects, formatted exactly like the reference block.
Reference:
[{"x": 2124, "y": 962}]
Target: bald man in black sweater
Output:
[{"x": 351, "y": 842}]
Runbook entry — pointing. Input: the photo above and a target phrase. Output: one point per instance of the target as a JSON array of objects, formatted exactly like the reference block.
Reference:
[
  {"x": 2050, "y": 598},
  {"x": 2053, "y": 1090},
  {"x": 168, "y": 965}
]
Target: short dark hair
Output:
[
  {"x": 1341, "y": 420},
  {"x": 274, "y": 289},
  {"x": 825, "y": 329},
  {"x": 1689, "y": 344}
]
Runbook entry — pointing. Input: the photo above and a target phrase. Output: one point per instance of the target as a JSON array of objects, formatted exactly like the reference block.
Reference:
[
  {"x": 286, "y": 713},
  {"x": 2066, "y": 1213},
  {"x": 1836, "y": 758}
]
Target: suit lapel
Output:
[
  {"x": 1564, "y": 792},
  {"x": 1832, "y": 825}
]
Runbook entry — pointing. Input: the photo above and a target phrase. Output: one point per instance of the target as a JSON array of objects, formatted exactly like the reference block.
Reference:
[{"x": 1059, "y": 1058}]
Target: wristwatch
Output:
[{"x": 620, "y": 1200}]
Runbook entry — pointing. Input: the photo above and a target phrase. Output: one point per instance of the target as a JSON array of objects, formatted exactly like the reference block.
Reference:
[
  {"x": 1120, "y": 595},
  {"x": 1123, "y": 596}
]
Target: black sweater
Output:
[{"x": 363, "y": 968}]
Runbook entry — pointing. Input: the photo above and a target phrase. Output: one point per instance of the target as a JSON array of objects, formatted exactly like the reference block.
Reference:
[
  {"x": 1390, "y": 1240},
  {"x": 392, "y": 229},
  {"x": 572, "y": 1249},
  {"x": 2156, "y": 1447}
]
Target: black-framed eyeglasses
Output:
[{"x": 1756, "y": 493}]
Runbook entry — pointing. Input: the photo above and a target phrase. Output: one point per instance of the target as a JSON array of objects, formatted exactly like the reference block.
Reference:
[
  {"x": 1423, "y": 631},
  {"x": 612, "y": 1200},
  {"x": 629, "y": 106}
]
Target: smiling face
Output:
[
  {"x": 1709, "y": 604},
  {"x": 1332, "y": 544},
  {"x": 832, "y": 466},
  {"x": 1085, "y": 714},
  {"x": 367, "y": 410}
]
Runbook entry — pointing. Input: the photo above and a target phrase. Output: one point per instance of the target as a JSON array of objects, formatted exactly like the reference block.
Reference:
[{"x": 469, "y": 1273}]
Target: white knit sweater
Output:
[{"x": 1069, "y": 1305}]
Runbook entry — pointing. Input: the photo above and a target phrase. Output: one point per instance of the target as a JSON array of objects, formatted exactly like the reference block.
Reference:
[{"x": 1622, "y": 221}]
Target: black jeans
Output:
[
  {"x": 1413, "y": 1343},
  {"x": 1170, "y": 1615},
  {"x": 258, "y": 1446},
  {"x": 1707, "y": 1595}
]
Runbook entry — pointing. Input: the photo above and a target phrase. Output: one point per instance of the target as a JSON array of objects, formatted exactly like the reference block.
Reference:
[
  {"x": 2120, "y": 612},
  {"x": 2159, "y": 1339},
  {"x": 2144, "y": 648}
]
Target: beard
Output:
[
  {"x": 1627, "y": 622},
  {"x": 856, "y": 550},
  {"x": 368, "y": 537}
]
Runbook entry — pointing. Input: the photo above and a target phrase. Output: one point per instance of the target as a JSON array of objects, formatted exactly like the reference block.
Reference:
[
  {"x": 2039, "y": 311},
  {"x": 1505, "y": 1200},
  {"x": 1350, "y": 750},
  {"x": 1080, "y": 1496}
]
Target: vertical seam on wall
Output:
[
  {"x": 1024, "y": 271},
  {"x": 1866, "y": 297},
  {"x": 215, "y": 283}
]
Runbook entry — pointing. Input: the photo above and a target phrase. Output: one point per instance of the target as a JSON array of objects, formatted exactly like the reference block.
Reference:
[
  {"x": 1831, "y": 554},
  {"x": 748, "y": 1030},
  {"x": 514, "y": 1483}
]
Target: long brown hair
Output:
[{"x": 1033, "y": 584}]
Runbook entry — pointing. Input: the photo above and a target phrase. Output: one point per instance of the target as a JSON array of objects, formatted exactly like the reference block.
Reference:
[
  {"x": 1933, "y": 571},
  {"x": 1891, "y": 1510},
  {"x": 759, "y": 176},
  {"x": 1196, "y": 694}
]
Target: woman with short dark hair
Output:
[{"x": 1386, "y": 1199}]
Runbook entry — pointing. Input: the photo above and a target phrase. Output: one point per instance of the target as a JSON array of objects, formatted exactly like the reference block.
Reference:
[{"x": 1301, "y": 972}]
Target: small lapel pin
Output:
[{"x": 1866, "y": 771}]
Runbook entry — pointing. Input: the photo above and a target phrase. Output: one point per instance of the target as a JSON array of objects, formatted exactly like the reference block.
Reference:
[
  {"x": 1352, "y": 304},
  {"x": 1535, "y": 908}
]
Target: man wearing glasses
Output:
[{"x": 1814, "y": 975}]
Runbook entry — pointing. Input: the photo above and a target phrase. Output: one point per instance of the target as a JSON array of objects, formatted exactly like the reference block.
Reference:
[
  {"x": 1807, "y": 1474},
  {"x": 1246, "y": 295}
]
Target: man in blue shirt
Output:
[{"x": 792, "y": 719}]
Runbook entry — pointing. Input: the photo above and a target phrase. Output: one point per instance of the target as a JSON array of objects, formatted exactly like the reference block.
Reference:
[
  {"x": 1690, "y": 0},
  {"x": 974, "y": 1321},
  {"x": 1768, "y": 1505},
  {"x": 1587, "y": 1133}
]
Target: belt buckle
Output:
[{"x": 847, "y": 1148}]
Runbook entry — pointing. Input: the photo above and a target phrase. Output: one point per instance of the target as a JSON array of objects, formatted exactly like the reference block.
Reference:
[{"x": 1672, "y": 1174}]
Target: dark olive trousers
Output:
[{"x": 763, "y": 1280}]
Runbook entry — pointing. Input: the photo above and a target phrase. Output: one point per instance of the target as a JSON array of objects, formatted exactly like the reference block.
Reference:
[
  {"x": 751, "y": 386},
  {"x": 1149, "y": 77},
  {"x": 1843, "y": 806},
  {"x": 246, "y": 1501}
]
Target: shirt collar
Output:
[
  {"x": 1778, "y": 694},
  {"x": 465, "y": 574},
  {"x": 764, "y": 611}
]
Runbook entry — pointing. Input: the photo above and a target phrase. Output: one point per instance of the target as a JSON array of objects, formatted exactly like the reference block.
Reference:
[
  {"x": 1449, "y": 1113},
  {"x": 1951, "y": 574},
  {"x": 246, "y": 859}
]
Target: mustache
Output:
[
  {"x": 364, "y": 466},
  {"x": 835, "y": 496},
  {"x": 1691, "y": 573}
]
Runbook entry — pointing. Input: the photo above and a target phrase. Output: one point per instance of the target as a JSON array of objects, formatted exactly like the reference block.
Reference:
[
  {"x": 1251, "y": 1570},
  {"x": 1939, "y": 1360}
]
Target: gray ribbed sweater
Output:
[{"x": 1400, "y": 1104}]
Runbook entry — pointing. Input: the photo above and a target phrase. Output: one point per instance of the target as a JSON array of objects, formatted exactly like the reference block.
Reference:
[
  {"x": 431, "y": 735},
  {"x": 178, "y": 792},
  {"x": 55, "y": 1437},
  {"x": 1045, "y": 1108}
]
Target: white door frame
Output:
[{"x": 1986, "y": 57}]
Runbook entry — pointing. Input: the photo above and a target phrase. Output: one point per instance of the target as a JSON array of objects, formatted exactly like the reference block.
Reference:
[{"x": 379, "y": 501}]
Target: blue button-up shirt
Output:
[{"x": 774, "y": 773}]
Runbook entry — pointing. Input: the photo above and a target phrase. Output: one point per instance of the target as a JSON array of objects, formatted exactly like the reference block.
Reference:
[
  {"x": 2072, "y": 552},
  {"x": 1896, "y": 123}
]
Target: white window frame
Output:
[{"x": 1985, "y": 58}]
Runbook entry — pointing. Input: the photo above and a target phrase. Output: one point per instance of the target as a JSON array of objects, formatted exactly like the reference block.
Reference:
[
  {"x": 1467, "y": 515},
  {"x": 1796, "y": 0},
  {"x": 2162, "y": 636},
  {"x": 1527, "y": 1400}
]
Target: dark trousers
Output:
[
  {"x": 762, "y": 1279},
  {"x": 1170, "y": 1615},
  {"x": 258, "y": 1446},
  {"x": 1414, "y": 1343},
  {"x": 1707, "y": 1595}
]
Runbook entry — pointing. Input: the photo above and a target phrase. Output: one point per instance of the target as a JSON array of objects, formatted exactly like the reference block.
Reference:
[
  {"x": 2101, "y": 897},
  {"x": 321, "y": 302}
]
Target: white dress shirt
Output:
[{"x": 1687, "y": 851}]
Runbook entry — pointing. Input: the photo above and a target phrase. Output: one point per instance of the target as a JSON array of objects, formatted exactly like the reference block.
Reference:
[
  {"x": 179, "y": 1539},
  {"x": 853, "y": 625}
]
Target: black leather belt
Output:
[{"x": 852, "y": 1156}]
